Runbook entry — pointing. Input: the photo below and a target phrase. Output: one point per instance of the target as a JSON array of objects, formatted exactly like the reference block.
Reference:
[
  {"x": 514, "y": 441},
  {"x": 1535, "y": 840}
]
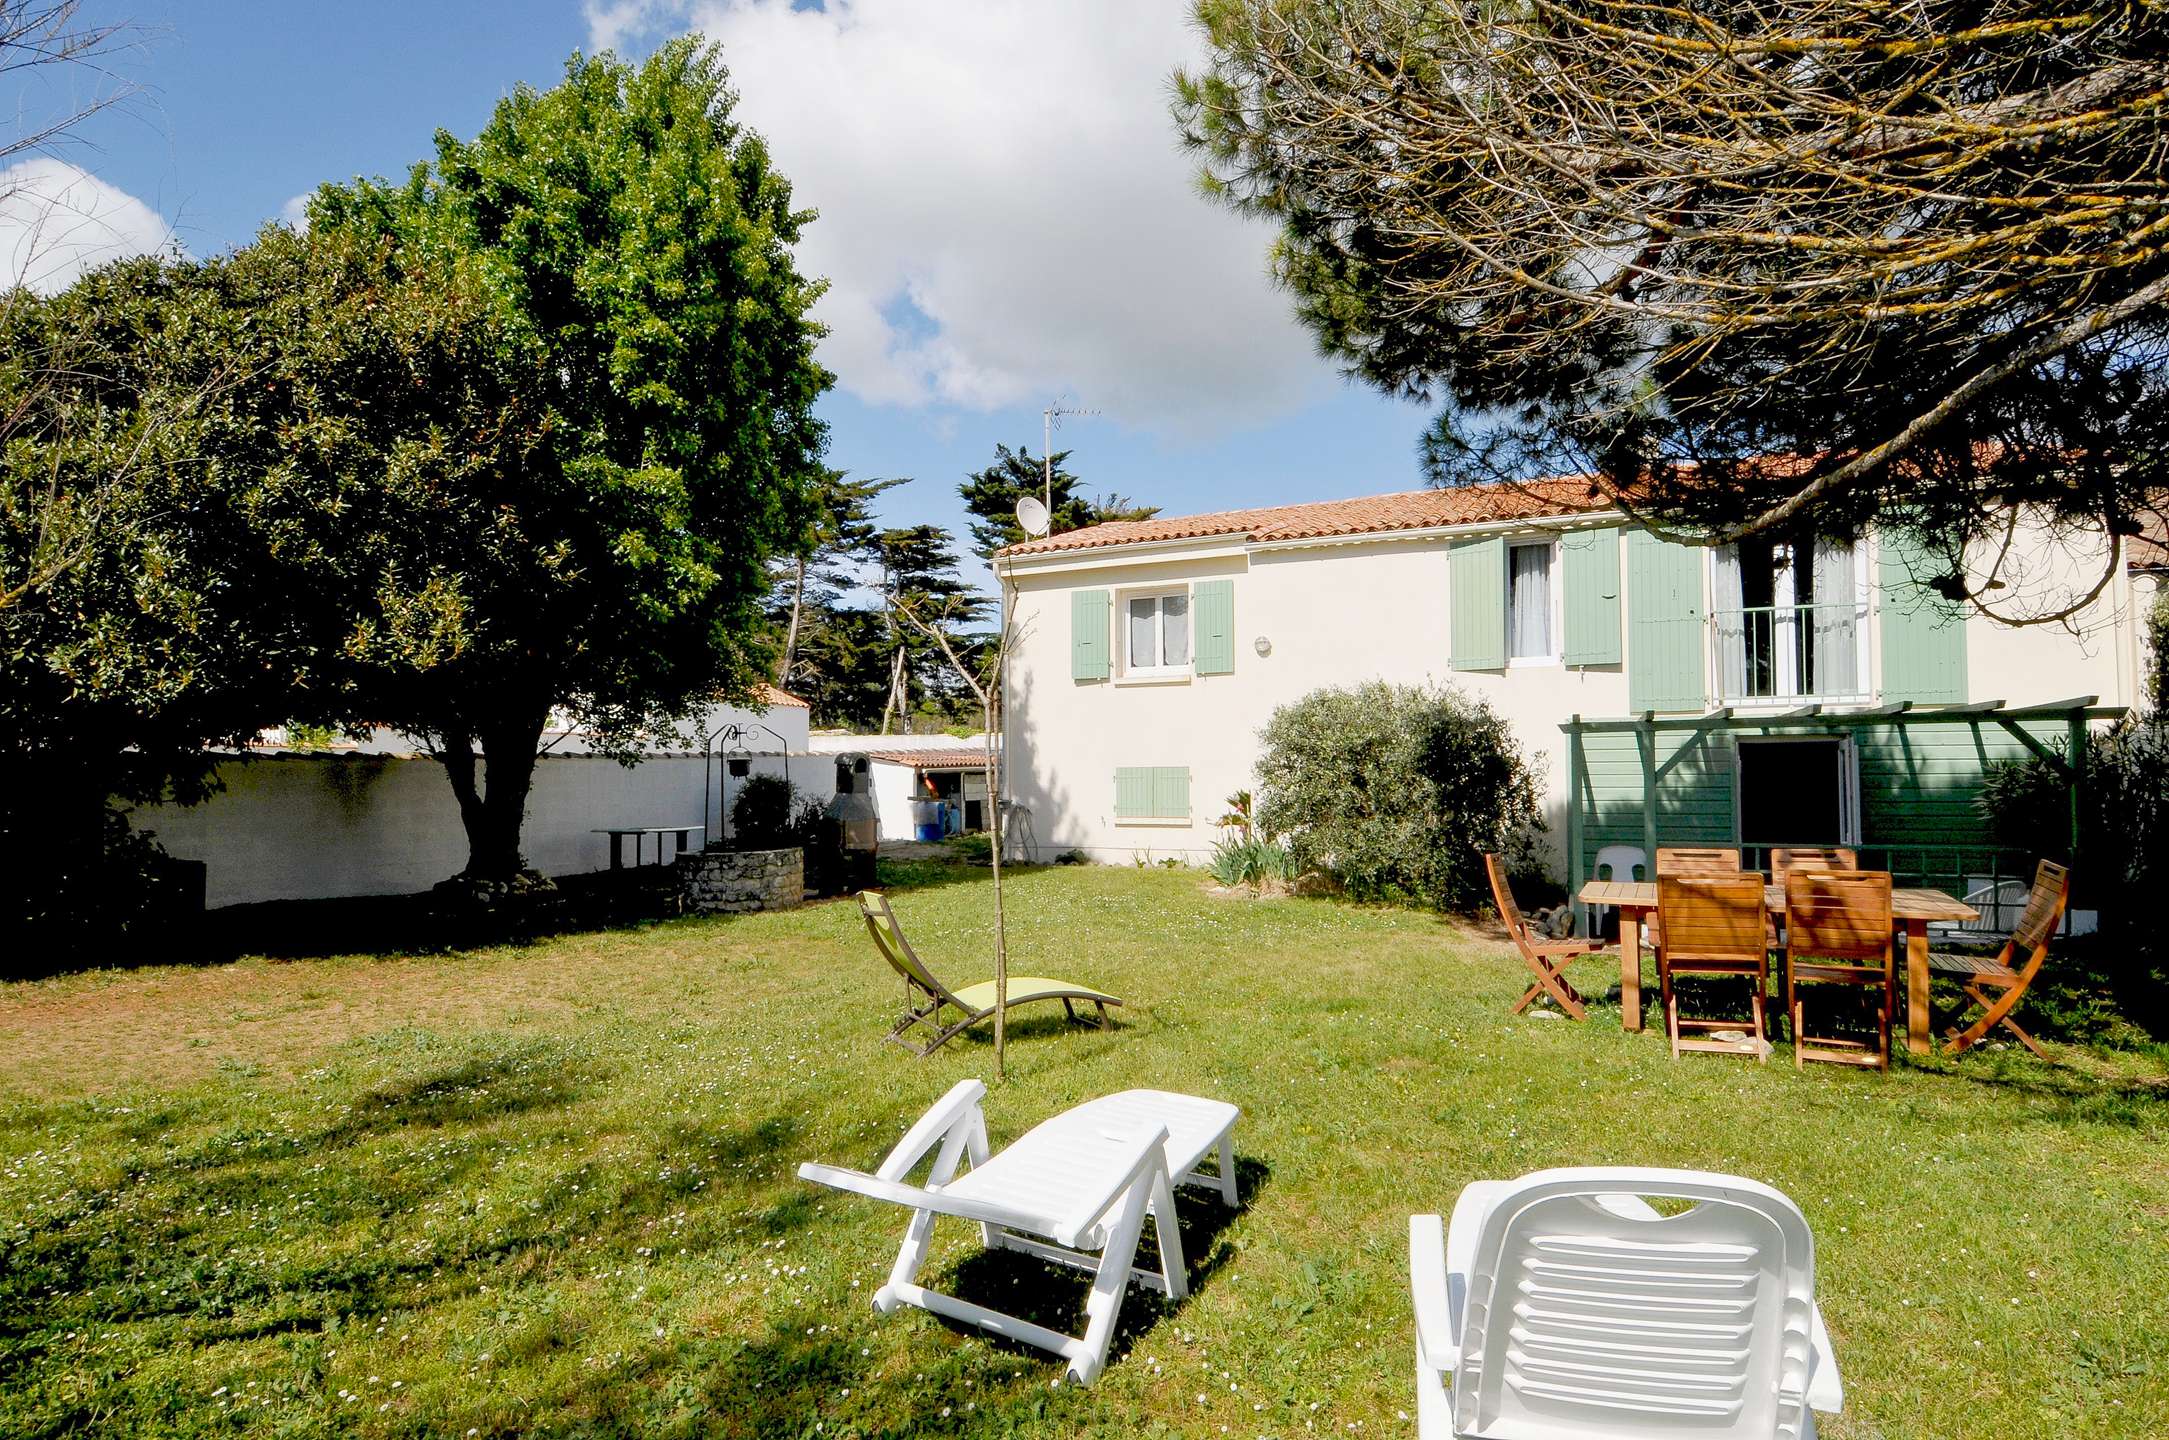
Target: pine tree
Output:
[
  {"x": 991, "y": 495},
  {"x": 919, "y": 568},
  {"x": 836, "y": 551}
]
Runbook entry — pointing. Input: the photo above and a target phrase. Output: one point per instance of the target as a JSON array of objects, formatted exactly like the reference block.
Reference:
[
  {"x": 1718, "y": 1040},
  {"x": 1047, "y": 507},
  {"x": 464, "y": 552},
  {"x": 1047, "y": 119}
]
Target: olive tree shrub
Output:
[{"x": 1397, "y": 791}]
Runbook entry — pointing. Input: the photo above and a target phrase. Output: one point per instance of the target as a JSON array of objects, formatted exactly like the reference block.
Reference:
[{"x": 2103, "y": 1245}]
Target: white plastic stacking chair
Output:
[
  {"x": 1084, "y": 1181},
  {"x": 1613, "y": 862},
  {"x": 1564, "y": 1306}
]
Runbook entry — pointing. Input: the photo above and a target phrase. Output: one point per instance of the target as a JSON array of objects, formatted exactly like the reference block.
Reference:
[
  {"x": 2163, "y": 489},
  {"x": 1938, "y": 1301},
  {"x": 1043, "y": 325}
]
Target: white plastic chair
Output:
[
  {"x": 1083, "y": 1181},
  {"x": 1564, "y": 1306},
  {"x": 1613, "y": 862}
]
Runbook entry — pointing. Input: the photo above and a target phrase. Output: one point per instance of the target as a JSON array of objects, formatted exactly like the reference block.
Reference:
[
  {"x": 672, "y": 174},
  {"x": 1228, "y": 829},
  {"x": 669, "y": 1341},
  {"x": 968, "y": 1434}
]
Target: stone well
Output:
[{"x": 732, "y": 882}]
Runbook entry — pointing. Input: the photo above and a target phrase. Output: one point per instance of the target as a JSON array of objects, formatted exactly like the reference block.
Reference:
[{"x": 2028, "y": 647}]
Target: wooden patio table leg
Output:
[
  {"x": 1916, "y": 986},
  {"x": 1630, "y": 968}
]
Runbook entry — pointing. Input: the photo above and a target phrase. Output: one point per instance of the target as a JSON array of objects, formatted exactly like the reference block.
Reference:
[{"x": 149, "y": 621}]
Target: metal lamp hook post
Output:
[{"x": 734, "y": 735}]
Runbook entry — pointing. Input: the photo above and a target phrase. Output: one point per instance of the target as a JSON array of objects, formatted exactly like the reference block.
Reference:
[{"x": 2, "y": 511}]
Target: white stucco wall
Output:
[
  {"x": 1341, "y": 615},
  {"x": 296, "y": 827},
  {"x": 895, "y": 787}
]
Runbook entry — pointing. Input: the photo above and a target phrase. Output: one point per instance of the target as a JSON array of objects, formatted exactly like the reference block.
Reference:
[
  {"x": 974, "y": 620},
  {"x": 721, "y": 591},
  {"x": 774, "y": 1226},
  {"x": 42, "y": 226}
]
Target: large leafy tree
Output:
[
  {"x": 991, "y": 497},
  {"x": 153, "y": 571},
  {"x": 1915, "y": 249},
  {"x": 585, "y": 524}
]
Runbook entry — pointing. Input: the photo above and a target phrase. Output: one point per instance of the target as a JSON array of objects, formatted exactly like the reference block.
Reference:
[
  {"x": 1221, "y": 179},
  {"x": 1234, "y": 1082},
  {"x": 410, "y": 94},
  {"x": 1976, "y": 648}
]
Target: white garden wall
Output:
[{"x": 293, "y": 827}]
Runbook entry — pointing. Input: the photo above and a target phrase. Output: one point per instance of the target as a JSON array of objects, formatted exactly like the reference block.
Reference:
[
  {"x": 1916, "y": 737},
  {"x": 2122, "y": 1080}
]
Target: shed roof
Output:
[{"x": 959, "y": 759}]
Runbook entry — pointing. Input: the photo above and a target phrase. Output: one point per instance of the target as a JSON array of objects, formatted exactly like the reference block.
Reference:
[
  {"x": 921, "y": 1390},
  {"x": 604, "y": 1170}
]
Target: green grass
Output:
[{"x": 549, "y": 1190}]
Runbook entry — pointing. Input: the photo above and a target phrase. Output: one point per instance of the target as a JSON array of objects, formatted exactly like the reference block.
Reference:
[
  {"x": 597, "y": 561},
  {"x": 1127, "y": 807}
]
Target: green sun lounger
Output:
[{"x": 926, "y": 999}]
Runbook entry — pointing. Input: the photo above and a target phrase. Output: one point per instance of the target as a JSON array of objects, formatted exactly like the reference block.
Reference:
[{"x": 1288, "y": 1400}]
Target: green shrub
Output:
[
  {"x": 821, "y": 838},
  {"x": 761, "y": 814},
  {"x": 2122, "y": 871},
  {"x": 976, "y": 848},
  {"x": 1397, "y": 792},
  {"x": 71, "y": 893}
]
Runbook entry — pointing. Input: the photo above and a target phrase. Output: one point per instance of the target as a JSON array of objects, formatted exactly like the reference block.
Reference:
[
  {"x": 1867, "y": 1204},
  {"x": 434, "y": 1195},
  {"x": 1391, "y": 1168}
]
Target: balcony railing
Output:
[{"x": 1769, "y": 653}]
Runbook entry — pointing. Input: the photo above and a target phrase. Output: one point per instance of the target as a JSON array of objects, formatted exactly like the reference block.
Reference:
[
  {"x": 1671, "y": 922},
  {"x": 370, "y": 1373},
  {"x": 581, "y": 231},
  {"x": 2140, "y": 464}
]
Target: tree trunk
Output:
[
  {"x": 898, "y": 698},
  {"x": 493, "y": 806},
  {"x": 790, "y": 635},
  {"x": 1001, "y": 926}
]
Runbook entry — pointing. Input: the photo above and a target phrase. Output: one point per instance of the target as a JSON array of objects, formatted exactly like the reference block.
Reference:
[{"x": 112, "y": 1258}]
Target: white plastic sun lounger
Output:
[
  {"x": 1564, "y": 1304},
  {"x": 1082, "y": 1182}
]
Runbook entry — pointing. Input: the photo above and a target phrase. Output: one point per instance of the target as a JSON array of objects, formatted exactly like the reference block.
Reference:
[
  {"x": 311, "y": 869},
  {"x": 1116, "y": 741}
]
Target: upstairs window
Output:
[
  {"x": 1790, "y": 617},
  {"x": 1156, "y": 633},
  {"x": 1530, "y": 634}
]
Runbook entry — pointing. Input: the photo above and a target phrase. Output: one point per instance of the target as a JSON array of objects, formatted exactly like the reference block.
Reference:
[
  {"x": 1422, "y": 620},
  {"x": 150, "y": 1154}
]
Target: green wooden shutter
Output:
[
  {"x": 1664, "y": 625},
  {"x": 1171, "y": 793},
  {"x": 1477, "y": 622},
  {"x": 1152, "y": 792},
  {"x": 1212, "y": 618},
  {"x": 1591, "y": 558},
  {"x": 1924, "y": 635},
  {"x": 1088, "y": 612}
]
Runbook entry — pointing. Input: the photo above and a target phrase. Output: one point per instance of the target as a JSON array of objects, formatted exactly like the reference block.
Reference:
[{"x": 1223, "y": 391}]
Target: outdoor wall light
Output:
[{"x": 1262, "y": 645}]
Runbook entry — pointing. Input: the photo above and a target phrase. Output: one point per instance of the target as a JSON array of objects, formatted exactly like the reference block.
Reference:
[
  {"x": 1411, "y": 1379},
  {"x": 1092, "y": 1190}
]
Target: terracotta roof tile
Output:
[
  {"x": 943, "y": 759},
  {"x": 1370, "y": 515},
  {"x": 2148, "y": 548},
  {"x": 770, "y": 696}
]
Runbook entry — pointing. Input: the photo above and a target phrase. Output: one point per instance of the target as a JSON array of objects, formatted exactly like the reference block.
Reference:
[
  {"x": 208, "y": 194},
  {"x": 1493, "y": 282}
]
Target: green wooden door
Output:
[
  {"x": 1212, "y": 611},
  {"x": 1477, "y": 601},
  {"x": 1088, "y": 644},
  {"x": 1924, "y": 635},
  {"x": 1591, "y": 581},
  {"x": 1664, "y": 625}
]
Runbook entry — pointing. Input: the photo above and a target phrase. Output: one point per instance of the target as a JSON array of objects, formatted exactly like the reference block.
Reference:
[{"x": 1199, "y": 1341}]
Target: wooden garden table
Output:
[
  {"x": 640, "y": 834},
  {"x": 1913, "y": 910}
]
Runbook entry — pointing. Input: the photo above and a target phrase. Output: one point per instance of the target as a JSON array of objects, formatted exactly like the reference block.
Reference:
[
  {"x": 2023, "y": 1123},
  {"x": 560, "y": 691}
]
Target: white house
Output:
[{"x": 1770, "y": 693}]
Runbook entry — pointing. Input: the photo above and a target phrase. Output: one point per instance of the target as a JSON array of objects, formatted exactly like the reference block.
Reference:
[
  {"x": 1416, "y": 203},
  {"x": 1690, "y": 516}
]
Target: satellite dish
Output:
[{"x": 1032, "y": 515}]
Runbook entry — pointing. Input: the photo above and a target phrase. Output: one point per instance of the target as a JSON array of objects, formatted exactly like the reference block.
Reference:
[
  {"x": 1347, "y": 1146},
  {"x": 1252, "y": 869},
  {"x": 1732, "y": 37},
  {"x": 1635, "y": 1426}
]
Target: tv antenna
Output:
[{"x": 1052, "y": 415}]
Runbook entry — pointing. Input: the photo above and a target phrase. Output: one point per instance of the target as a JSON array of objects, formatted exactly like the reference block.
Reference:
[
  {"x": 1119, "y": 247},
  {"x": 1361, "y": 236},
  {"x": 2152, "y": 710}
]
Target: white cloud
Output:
[
  {"x": 295, "y": 211},
  {"x": 57, "y": 221},
  {"x": 1005, "y": 211}
]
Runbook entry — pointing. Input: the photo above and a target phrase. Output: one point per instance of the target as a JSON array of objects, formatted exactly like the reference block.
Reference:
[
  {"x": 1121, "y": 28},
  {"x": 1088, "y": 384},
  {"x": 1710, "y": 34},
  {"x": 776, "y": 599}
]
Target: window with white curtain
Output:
[
  {"x": 1156, "y": 632},
  {"x": 1789, "y": 619},
  {"x": 1529, "y": 631}
]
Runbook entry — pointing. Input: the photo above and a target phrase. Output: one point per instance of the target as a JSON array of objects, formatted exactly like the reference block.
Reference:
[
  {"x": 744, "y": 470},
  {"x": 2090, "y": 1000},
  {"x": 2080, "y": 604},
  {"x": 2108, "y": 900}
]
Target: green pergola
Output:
[{"x": 2076, "y": 716}]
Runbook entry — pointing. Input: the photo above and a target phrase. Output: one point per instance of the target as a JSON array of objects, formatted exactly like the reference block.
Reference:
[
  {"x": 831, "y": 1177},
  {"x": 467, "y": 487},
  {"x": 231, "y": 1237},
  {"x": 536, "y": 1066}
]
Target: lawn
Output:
[{"x": 549, "y": 1189}]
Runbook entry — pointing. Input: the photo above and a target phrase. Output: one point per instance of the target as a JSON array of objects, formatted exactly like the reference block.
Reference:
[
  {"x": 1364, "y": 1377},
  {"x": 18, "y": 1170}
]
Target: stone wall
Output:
[{"x": 732, "y": 882}]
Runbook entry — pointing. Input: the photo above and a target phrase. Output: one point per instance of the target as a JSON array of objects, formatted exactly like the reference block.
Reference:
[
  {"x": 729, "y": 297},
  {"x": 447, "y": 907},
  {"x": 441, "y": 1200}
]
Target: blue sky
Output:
[{"x": 1005, "y": 215}]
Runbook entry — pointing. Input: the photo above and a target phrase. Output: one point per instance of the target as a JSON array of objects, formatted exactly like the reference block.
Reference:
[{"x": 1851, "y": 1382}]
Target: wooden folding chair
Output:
[
  {"x": 1995, "y": 983},
  {"x": 1837, "y": 931},
  {"x": 1687, "y": 860},
  {"x": 1784, "y": 861},
  {"x": 1697, "y": 860},
  {"x": 1817, "y": 862},
  {"x": 1546, "y": 957},
  {"x": 1715, "y": 925}
]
